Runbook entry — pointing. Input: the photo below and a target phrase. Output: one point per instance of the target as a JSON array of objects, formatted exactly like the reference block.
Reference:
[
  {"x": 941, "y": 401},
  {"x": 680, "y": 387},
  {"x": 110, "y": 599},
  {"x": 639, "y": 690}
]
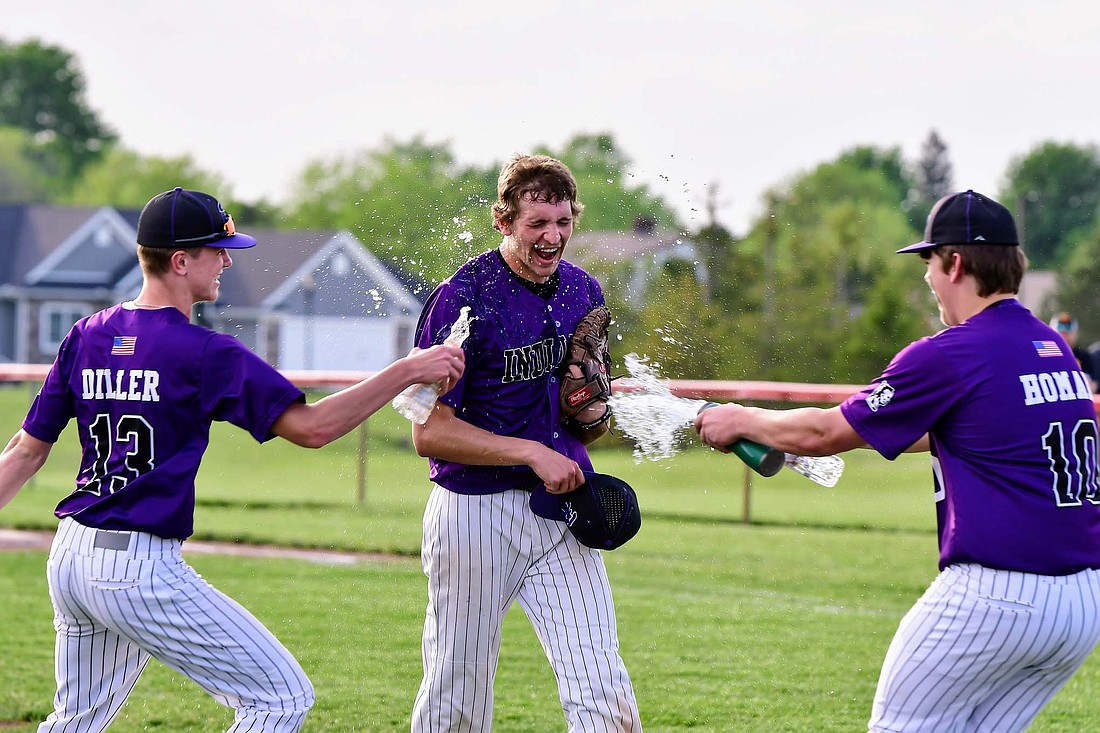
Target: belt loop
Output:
[{"x": 111, "y": 540}]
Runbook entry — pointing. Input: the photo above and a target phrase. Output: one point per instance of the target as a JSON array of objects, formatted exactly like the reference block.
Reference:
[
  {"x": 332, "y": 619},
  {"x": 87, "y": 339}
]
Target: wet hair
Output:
[
  {"x": 537, "y": 178},
  {"x": 996, "y": 268},
  {"x": 155, "y": 260}
]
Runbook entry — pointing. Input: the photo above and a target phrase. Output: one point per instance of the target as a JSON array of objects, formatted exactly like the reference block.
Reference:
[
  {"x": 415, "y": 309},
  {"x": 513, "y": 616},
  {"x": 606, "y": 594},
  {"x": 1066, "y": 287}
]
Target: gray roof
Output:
[
  {"x": 28, "y": 233},
  {"x": 31, "y": 237}
]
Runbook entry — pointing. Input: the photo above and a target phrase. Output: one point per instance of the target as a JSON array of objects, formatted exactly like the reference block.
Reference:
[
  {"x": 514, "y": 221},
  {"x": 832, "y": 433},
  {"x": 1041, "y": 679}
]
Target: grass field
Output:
[{"x": 777, "y": 625}]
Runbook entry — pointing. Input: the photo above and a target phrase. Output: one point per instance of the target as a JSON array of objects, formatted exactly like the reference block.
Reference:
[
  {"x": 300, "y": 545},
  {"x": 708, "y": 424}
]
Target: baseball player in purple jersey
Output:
[
  {"x": 999, "y": 401},
  {"x": 492, "y": 439},
  {"x": 144, "y": 386}
]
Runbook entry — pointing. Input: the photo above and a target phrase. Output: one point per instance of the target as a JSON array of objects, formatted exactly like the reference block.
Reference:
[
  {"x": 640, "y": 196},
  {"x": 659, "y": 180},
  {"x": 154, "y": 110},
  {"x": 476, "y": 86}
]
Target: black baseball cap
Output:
[
  {"x": 967, "y": 218},
  {"x": 601, "y": 513},
  {"x": 180, "y": 219}
]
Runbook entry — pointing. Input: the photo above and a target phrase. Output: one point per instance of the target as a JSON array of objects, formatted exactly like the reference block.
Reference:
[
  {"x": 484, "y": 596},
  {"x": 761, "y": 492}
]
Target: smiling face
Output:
[
  {"x": 204, "y": 272},
  {"x": 939, "y": 282},
  {"x": 535, "y": 239}
]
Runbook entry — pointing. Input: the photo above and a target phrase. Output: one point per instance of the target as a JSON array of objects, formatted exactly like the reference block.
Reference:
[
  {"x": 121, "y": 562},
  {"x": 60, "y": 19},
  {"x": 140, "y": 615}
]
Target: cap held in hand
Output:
[{"x": 602, "y": 513}]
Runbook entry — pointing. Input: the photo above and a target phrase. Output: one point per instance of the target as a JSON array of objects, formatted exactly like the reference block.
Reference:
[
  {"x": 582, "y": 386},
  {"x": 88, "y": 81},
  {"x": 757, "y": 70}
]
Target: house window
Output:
[
  {"x": 340, "y": 264},
  {"x": 55, "y": 320}
]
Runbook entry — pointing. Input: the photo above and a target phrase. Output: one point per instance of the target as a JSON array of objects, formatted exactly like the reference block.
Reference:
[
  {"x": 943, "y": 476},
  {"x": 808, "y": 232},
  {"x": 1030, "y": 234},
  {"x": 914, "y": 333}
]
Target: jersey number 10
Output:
[{"x": 1073, "y": 462}]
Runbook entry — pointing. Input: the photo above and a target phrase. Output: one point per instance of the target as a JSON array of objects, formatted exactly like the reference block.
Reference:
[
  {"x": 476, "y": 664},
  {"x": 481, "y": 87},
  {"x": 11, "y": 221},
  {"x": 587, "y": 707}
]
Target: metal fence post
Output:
[
  {"x": 361, "y": 468},
  {"x": 746, "y": 496}
]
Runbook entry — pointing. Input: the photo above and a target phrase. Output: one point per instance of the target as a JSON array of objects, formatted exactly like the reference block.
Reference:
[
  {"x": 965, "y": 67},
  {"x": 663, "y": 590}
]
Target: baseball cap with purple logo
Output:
[
  {"x": 602, "y": 513},
  {"x": 179, "y": 219},
  {"x": 967, "y": 218}
]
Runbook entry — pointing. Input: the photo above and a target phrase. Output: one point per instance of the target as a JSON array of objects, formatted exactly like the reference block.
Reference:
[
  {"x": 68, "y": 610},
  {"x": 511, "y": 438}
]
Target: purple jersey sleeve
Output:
[{"x": 899, "y": 407}]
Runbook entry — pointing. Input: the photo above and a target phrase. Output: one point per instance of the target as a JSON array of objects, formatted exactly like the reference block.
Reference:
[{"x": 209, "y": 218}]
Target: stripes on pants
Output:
[
  {"x": 482, "y": 553},
  {"x": 123, "y": 597},
  {"x": 983, "y": 650}
]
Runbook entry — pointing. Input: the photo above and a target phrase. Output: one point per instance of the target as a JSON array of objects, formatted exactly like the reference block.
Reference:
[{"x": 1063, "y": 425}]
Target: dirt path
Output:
[{"x": 16, "y": 539}]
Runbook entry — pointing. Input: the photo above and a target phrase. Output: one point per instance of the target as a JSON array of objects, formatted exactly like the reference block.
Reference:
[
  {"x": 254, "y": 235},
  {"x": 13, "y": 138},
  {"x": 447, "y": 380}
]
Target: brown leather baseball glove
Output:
[{"x": 585, "y": 377}]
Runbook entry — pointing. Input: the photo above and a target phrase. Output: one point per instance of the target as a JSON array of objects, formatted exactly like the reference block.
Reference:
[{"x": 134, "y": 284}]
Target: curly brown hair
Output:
[{"x": 533, "y": 178}]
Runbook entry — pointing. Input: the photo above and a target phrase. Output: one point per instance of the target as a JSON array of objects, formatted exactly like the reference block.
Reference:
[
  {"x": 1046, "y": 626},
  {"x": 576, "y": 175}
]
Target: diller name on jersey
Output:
[{"x": 138, "y": 382}]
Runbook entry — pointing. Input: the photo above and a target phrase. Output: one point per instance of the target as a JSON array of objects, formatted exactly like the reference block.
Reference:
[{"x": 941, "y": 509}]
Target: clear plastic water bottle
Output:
[{"x": 417, "y": 401}]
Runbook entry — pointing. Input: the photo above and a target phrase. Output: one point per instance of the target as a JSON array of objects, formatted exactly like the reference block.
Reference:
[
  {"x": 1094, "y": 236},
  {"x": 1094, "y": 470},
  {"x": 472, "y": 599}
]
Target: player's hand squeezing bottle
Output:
[{"x": 418, "y": 400}]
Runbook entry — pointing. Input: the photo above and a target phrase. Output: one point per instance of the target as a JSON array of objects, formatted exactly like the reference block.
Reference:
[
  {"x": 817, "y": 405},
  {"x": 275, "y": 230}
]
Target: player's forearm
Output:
[
  {"x": 446, "y": 437},
  {"x": 319, "y": 423},
  {"x": 806, "y": 431},
  {"x": 20, "y": 460}
]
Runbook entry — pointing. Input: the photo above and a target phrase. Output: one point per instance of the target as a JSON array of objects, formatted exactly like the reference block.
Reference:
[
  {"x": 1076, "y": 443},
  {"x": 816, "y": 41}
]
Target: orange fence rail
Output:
[
  {"x": 719, "y": 391},
  {"x": 705, "y": 389}
]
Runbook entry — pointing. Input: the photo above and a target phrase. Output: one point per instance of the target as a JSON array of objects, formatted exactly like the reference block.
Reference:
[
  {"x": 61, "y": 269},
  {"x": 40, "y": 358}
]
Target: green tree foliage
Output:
[
  {"x": 682, "y": 334},
  {"x": 1053, "y": 191},
  {"x": 1078, "y": 292},
  {"x": 408, "y": 202},
  {"x": 125, "y": 179},
  {"x": 825, "y": 245},
  {"x": 602, "y": 172},
  {"x": 895, "y": 313},
  {"x": 42, "y": 92},
  {"x": 21, "y": 176},
  {"x": 411, "y": 203}
]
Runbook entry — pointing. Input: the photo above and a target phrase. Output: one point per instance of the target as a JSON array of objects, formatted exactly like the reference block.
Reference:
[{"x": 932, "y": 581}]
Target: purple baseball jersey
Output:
[
  {"x": 144, "y": 387},
  {"x": 510, "y": 386},
  {"x": 1013, "y": 440}
]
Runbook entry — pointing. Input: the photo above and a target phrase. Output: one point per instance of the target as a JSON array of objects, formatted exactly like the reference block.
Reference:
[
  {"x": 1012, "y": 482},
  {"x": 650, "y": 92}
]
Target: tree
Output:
[
  {"x": 125, "y": 179},
  {"x": 601, "y": 170},
  {"x": 409, "y": 202},
  {"x": 825, "y": 245},
  {"x": 1053, "y": 190},
  {"x": 934, "y": 177},
  {"x": 42, "y": 92},
  {"x": 21, "y": 178},
  {"x": 1077, "y": 291}
]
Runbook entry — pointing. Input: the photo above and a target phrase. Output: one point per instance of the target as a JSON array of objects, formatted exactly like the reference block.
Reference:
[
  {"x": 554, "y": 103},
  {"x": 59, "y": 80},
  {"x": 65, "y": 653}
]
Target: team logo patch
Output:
[
  {"x": 569, "y": 512},
  {"x": 880, "y": 397}
]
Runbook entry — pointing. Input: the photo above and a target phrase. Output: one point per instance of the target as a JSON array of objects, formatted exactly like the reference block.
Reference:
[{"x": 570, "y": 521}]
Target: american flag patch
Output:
[
  {"x": 1047, "y": 348},
  {"x": 123, "y": 346}
]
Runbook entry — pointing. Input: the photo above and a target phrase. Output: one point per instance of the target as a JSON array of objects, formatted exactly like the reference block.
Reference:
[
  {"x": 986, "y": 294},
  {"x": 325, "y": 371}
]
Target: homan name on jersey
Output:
[
  {"x": 1054, "y": 387},
  {"x": 534, "y": 360},
  {"x": 124, "y": 385}
]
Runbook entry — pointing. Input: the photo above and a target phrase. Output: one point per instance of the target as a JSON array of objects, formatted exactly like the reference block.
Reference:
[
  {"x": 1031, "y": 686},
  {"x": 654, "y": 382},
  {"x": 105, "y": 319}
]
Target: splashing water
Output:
[{"x": 647, "y": 411}]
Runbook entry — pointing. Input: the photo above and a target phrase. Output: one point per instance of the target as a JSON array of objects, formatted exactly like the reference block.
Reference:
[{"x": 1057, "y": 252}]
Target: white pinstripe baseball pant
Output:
[
  {"x": 480, "y": 554},
  {"x": 123, "y": 597},
  {"x": 983, "y": 650}
]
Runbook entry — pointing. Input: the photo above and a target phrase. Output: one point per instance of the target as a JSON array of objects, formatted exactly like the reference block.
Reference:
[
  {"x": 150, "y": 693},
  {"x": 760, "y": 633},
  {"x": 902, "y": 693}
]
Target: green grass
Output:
[{"x": 777, "y": 625}]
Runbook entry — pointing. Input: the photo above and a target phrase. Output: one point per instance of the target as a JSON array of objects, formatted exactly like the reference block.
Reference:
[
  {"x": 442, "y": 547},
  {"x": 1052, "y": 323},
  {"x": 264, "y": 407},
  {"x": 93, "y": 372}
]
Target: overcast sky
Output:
[{"x": 698, "y": 93}]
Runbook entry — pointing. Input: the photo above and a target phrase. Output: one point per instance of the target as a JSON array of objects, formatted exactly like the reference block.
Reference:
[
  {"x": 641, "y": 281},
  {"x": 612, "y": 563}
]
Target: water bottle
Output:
[
  {"x": 417, "y": 401},
  {"x": 760, "y": 458}
]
